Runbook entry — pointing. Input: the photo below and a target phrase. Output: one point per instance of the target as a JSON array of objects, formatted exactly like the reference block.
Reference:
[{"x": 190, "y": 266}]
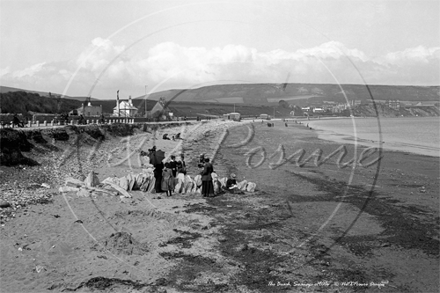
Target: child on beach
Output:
[
  {"x": 231, "y": 183},
  {"x": 167, "y": 180}
]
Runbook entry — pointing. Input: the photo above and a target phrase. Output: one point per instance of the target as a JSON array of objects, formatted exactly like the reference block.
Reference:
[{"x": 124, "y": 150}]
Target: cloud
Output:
[
  {"x": 30, "y": 71},
  {"x": 195, "y": 65},
  {"x": 104, "y": 66},
  {"x": 99, "y": 55},
  {"x": 41, "y": 76},
  {"x": 418, "y": 54},
  {"x": 4, "y": 71},
  {"x": 334, "y": 50}
]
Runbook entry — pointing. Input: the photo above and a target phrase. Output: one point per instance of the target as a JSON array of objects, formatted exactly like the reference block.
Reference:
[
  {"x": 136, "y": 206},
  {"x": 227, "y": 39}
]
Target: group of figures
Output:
[
  {"x": 165, "y": 173},
  {"x": 208, "y": 169}
]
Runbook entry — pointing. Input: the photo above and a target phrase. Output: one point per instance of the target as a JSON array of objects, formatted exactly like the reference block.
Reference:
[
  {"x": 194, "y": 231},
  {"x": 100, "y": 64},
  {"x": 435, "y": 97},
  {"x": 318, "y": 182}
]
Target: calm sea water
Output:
[{"x": 410, "y": 134}]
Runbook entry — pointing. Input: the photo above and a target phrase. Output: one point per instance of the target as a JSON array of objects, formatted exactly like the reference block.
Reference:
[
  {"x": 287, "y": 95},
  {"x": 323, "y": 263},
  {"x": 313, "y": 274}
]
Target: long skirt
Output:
[
  {"x": 207, "y": 188},
  {"x": 158, "y": 183},
  {"x": 168, "y": 183}
]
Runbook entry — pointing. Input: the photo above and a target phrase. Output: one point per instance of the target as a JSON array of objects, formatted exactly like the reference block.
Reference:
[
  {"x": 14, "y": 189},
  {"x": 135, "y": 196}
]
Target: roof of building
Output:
[{"x": 160, "y": 106}]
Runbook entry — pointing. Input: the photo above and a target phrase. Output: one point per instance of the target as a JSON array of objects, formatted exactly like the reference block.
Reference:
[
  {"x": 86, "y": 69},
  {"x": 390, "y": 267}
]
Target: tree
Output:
[{"x": 283, "y": 104}]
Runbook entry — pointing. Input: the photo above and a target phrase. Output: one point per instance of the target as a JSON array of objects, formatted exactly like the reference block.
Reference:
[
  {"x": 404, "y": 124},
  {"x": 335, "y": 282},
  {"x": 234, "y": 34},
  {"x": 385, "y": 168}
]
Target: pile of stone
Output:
[{"x": 16, "y": 197}]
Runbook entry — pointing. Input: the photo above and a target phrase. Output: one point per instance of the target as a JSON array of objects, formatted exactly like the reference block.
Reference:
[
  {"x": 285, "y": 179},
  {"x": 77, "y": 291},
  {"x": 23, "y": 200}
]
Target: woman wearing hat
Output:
[
  {"x": 181, "y": 165},
  {"x": 207, "y": 185},
  {"x": 201, "y": 163}
]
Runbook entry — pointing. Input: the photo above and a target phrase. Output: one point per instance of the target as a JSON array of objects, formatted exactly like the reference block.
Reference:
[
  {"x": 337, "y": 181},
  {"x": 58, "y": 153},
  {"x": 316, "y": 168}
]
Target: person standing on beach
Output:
[
  {"x": 158, "y": 168},
  {"x": 181, "y": 165},
  {"x": 167, "y": 183},
  {"x": 207, "y": 185},
  {"x": 173, "y": 165}
]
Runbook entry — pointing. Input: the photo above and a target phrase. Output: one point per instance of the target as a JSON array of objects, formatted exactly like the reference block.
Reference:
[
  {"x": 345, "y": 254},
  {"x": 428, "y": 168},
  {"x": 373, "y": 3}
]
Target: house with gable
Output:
[
  {"x": 160, "y": 111},
  {"x": 124, "y": 108}
]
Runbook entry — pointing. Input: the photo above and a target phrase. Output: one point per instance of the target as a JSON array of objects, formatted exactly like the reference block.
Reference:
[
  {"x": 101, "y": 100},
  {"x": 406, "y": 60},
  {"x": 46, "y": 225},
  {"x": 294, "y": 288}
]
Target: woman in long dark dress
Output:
[
  {"x": 207, "y": 186},
  {"x": 158, "y": 176}
]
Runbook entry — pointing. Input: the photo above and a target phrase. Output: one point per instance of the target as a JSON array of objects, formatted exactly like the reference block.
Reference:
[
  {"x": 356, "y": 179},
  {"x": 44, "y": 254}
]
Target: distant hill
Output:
[
  {"x": 300, "y": 94},
  {"x": 7, "y": 89},
  {"x": 25, "y": 102},
  {"x": 249, "y": 99}
]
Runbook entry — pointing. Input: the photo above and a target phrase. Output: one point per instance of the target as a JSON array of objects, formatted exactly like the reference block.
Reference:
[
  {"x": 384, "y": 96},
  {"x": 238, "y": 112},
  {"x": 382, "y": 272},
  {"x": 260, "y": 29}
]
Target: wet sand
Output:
[
  {"x": 307, "y": 228},
  {"x": 390, "y": 138}
]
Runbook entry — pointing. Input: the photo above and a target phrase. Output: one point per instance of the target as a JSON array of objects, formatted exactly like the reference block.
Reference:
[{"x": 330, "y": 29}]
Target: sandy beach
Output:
[{"x": 316, "y": 223}]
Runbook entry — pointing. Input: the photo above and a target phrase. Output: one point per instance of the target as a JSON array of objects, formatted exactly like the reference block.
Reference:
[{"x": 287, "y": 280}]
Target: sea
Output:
[{"x": 419, "y": 135}]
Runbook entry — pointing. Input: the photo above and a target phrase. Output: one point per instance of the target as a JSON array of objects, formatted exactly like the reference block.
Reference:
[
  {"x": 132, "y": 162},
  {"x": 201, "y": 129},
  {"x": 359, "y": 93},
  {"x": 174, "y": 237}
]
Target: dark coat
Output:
[
  {"x": 158, "y": 170},
  {"x": 181, "y": 167},
  {"x": 230, "y": 182},
  {"x": 173, "y": 167},
  {"x": 206, "y": 173}
]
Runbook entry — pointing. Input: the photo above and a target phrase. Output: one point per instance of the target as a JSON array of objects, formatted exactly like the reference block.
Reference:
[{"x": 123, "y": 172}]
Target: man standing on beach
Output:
[{"x": 207, "y": 185}]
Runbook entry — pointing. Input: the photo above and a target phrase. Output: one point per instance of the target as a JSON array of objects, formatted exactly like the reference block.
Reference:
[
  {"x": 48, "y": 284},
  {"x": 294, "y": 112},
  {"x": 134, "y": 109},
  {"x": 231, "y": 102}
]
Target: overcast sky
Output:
[{"x": 83, "y": 48}]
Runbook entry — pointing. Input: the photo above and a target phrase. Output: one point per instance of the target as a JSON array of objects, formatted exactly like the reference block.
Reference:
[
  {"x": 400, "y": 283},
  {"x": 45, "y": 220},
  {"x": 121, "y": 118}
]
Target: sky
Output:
[{"x": 96, "y": 47}]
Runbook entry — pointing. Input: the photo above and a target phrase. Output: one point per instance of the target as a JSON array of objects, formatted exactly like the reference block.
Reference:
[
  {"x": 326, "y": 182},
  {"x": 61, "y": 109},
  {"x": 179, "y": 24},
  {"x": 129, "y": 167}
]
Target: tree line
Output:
[{"x": 25, "y": 102}]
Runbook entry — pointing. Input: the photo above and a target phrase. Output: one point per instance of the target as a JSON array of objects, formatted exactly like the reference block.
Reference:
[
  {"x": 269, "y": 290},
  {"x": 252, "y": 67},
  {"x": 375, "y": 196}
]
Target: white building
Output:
[
  {"x": 124, "y": 108},
  {"x": 318, "y": 110}
]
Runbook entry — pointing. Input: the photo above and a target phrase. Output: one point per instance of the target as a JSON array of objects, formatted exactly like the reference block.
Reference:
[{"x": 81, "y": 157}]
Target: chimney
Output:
[
  {"x": 117, "y": 104},
  {"x": 129, "y": 101}
]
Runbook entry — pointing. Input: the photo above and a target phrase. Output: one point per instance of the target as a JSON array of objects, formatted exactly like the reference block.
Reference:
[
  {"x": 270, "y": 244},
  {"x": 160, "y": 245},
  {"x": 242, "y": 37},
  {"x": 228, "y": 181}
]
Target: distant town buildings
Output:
[
  {"x": 393, "y": 104},
  {"x": 318, "y": 110},
  {"x": 355, "y": 102}
]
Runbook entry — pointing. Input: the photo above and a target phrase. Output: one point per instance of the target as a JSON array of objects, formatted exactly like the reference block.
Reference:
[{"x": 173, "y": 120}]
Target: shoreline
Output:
[{"x": 388, "y": 144}]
